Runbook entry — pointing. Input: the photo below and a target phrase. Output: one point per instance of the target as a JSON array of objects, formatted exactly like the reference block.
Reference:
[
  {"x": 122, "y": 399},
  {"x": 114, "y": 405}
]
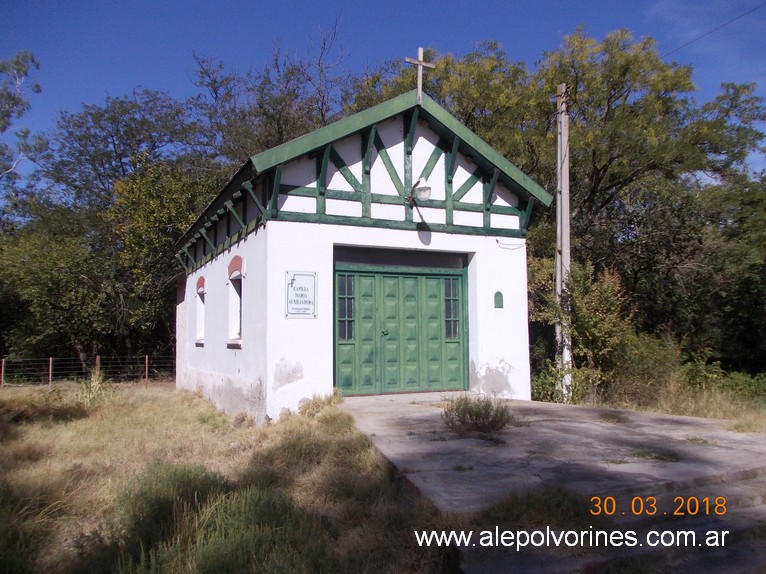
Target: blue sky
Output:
[{"x": 91, "y": 49}]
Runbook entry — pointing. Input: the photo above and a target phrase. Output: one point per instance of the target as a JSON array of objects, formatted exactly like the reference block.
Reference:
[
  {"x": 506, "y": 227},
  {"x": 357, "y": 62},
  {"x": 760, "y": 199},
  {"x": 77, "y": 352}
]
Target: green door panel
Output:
[
  {"x": 367, "y": 334},
  {"x": 399, "y": 332}
]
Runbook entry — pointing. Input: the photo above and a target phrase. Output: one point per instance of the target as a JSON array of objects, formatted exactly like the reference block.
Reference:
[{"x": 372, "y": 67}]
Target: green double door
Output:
[{"x": 398, "y": 332}]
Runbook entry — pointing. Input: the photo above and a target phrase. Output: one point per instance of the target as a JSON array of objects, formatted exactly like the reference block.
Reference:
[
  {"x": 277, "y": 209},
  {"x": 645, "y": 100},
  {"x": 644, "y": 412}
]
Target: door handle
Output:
[{"x": 384, "y": 332}]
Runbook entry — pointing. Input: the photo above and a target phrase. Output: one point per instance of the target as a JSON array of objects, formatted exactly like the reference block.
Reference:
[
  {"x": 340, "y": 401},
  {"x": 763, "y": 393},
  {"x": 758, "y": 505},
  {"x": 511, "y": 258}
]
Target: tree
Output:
[
  {"x": 737, "y": 212},
  {"x": 101, "y": 144},
  {"x": 14, "y": 103},
  {"x": 243, "y": 114},
  {"x": 152, "y": 210},
  {"x": 68, "y": 289},
  {"x": 485, "y": 90}
]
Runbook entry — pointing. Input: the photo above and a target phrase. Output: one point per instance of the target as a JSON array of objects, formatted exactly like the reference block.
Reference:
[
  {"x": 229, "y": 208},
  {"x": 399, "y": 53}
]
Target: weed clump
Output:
[
  {"x": 465, "y": 415},
  {"x": 94, "y": 388},
  {"x": 311, "y": 407}
]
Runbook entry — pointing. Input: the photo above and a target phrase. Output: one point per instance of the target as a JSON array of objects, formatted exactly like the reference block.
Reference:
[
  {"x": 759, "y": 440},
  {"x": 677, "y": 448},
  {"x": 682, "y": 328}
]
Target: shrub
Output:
[
  {"x": 586, "y": 384},
  {"x": 465, "y": 414},
  {"x": 94, "y": 388},
  {"x": 745, "y": 385},
  {"x": 643, "y": 366},
  {"x": 545, "y": 384},
  {"x": 702, "y": 374}
]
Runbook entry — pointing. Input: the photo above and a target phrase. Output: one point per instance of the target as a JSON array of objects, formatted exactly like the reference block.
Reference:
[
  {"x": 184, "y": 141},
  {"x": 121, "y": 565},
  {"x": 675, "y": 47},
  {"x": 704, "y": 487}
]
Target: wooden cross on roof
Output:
[{"x": 420, "y": 63}]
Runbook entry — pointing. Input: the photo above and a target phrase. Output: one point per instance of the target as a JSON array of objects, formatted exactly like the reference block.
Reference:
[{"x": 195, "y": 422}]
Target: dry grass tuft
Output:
[
  {"x": 678, "y": 399},
  {"x": 465, "y": 415},
  {"x": 156, "y": 480}
]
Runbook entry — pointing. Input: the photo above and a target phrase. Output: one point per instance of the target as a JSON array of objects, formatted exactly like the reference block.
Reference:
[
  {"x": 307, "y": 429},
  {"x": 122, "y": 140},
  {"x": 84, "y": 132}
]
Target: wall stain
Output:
[
  {"x": 495, "y": 381},
  {"x": 286, "y": 373}
]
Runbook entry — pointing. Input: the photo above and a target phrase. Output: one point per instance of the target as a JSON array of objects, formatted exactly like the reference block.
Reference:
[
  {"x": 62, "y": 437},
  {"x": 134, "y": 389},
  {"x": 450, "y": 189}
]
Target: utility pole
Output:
[{"x": 563, "y": 328}]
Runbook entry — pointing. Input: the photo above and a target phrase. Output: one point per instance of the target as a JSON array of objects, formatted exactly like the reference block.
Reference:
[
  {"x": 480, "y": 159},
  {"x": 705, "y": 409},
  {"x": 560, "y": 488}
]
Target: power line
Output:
[{"x": 715, "y": 29}]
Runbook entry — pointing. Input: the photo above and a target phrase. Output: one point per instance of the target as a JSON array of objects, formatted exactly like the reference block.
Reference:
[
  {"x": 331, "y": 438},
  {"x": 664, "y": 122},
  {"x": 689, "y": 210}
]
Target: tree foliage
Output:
[
  {"x": 71, "y": 295},
  {"x": 243, "y": 114},
  {"x": 646, "y": 159},
  {"x": 102, "y": 144},
  {"x": 14, "y": 103},
  {"x": 152, "y": 210}
]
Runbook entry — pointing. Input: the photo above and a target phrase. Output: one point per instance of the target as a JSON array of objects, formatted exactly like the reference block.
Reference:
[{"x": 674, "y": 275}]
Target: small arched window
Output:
[
  {"x": 498, "y": 300},
  {"x": 235, "y": 302},
  {"x": 200, "y": 312}
]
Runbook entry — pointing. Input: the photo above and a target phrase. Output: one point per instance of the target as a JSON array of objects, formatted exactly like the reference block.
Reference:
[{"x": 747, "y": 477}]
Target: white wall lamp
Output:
[{"x": 421, "y": 191}]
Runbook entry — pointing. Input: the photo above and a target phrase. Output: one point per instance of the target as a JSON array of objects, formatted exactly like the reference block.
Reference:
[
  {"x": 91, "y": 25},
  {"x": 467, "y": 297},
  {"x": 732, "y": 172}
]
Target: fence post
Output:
[
  {"x": 50, "y": 371},
  {"x": 146, "y": 370},
  {"x": 2, "y": 374},
  {"x": 98, "y": 362}
]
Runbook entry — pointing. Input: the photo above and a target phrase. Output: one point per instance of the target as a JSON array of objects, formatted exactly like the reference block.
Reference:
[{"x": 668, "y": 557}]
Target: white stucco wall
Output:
[
  {"x": 233, "y": 378},
  {"x": 285, "y": 360}
]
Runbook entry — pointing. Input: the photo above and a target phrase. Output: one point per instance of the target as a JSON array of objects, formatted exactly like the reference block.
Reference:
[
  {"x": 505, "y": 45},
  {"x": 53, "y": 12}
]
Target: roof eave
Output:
[
  {"x": 514, "y": 178},
  {"x": 331, "y": 133},
  {"x": 243, "y": 174}
]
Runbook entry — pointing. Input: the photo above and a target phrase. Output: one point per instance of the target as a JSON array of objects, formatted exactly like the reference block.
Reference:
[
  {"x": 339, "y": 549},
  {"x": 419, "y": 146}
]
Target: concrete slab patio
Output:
[{"x": 590, "y": 451}]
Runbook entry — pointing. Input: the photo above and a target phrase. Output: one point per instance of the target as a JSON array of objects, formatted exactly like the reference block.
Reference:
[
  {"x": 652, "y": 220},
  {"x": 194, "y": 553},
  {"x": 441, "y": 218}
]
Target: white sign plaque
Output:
[{"x": 300, "y": 295}]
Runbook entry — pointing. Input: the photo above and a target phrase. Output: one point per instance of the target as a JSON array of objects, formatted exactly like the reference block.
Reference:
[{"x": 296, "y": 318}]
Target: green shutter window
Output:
[
  {"x": 498, "y": 300},
  {"x": 345, "y": 307},
  {"x": 451, "y": 308}
]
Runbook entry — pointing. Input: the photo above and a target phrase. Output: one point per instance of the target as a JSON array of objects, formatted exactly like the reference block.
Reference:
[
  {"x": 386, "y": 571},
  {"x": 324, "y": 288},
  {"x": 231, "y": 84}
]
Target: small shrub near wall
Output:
[{"x": 465, "y": 415}]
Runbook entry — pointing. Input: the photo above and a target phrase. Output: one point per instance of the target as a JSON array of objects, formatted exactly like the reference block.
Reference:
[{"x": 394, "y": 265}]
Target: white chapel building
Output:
[{"x": 384, "y": 253}]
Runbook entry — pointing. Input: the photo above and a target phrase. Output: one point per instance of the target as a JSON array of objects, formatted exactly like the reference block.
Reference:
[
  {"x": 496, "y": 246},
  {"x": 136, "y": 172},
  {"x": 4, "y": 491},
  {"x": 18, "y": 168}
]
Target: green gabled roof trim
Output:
[
  {"x": 517, "y": 181},
  {"x": 218, "y": 205},
  {"x": 328, "y": 134},
  {"x": 455, "y": 137}
]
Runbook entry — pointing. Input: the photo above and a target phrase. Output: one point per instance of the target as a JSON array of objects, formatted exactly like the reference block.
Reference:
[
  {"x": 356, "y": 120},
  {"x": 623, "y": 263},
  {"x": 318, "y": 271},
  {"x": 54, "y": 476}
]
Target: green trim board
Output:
[
  {"x": 390, "y": 167},
  {"x": 396, "y": 269},
  {"x": 230, "y": 207},
  {"x": 431, "y": 163},
  {"x": 397, "y": 200},
  {"x": 341, "y": 166},
  {"x": 397, "y": 224},
  {"x": 472, "y": 180},
  {"x": 264, "y": 169}
]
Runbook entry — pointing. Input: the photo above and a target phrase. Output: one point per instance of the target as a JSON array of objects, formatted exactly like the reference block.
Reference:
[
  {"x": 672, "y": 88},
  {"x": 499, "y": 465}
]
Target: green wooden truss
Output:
[{"x": 259, "y": 181}]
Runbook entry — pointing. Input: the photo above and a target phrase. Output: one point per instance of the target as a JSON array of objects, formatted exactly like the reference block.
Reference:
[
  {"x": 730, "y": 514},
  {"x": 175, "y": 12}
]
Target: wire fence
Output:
[{"x": 44, "y": 371}]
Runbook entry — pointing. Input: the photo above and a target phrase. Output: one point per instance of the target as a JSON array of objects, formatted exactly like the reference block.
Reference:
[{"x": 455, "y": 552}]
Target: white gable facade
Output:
[{"x": 320, "y": 266}]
